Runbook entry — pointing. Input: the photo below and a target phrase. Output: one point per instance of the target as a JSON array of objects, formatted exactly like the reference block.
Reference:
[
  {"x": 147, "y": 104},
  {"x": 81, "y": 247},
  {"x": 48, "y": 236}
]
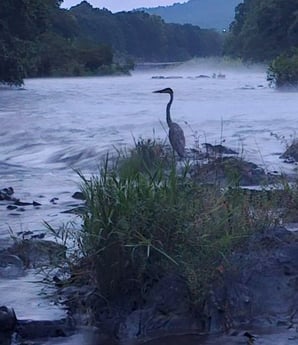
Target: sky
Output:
[{"x": 122, "y": 5}]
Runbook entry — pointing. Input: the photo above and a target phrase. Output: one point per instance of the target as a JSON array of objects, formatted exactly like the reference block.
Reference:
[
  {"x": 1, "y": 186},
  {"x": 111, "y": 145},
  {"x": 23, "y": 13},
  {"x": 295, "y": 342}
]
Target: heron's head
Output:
[{"x": 166, "y": 90}]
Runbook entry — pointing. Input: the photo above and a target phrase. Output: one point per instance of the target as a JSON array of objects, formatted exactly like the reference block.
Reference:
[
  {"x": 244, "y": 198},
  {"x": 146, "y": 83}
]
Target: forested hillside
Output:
[
  {"x": 263, "y": 29},
  {"x": 217, "y": 14},
  {"x": 38, "y": 38},
  {"x": 145, "y": 37}
]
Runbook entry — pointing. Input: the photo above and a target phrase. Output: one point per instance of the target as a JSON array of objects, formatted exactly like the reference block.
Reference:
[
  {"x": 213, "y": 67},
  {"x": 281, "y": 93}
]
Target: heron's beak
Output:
[{"x": 157, "y": 91}]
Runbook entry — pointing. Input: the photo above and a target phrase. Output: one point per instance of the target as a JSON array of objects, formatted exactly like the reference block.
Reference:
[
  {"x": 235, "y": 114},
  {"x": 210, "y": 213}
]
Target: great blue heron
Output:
[{"x": 176, "y": 134}]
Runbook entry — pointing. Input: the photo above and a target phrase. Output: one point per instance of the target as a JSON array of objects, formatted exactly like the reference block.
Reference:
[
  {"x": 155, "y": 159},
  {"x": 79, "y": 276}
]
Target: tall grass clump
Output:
[{"x": 142, "y": 223}]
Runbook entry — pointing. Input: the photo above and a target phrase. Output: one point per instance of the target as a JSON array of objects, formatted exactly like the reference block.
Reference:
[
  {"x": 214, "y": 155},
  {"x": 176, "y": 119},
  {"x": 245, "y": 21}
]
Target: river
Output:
[
  {"x": 55, "y": 125},
  {"x": 52, "y": 126}
]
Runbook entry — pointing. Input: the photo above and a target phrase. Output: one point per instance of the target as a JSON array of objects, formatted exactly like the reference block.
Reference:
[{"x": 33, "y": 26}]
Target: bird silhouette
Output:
[{"x": 176, "y": 134}]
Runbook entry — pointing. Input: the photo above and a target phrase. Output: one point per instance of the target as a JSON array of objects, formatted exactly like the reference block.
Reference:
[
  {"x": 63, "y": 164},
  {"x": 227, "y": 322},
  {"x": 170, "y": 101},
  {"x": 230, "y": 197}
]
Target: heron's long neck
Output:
[{"x": 169, "y": 120}]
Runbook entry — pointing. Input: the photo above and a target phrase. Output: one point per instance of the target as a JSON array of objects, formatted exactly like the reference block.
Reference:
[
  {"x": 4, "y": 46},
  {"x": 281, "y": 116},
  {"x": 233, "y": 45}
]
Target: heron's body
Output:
[{"x": 176, "y": 134}]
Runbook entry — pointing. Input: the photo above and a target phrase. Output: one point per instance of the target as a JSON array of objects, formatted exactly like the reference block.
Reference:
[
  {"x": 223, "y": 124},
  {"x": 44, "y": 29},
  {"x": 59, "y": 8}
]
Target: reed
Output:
[{"x": 144, "y": 217}]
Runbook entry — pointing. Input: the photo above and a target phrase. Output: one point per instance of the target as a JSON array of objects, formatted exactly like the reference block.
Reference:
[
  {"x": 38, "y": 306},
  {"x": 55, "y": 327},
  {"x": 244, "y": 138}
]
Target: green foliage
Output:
[
  {"x": 283, "y": 71},
  {"x": 263, "y": 29},
  {"x": 147, "y": 157},
  {"x": 158, "y": 219},
  {"x": 21, "y": 23},
  {"x": 145, "y": 37},
  {"x": 37, "y": 38}
]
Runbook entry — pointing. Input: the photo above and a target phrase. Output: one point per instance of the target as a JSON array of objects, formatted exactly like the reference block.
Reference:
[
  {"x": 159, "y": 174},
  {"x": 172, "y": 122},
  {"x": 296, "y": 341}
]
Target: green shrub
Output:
[
  {"x": 147, "y": 156},
  {"x": 283, "y": 71}
]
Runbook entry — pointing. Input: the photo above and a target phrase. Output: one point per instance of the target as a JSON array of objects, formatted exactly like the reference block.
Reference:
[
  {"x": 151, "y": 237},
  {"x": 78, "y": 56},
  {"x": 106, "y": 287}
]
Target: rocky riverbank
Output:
[
  {"x": 255, "y": 294},
  {"x": 252, "y": 299}
]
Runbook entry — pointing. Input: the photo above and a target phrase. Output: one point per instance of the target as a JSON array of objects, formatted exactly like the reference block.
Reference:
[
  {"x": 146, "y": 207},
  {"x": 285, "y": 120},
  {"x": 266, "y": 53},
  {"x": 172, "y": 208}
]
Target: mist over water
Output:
[{"x": 53, "y": 126}]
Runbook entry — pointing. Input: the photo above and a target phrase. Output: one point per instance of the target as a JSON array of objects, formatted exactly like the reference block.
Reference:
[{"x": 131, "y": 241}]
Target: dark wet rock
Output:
[
  {"x": 12, "y": 207},
  {"x": 146, "y": 324},
  {"x": 11, "y": 266},
  {"x": 218, "y": 150},
  {"x": 231, "y": 170},
  {"x": 167, "y": 310},
  {"x": 291, "y": 153},
  {"x": 35, "y": 203},
  {"x": 174, "y": 77},
  {"x": 169, "y": 294},
  {"x": 31, "y": 329},
  {"x": 21, "y": 203},
  {"x": 54, "y": 200},
  {"x": 203, "y": 76},
  {"x": 38, "y": 236},
  {"x": 6, "y": 193},
  {"x": 78, "y": 196},
  {"x": 38, "y": 252},
  {"x": 23, "y": 234},
  {"x": 8, "y": 320},
  {"x": 100, "y": 338},
  {"x": 260, "y": 288},
  {"x": 6, "y": 339}
]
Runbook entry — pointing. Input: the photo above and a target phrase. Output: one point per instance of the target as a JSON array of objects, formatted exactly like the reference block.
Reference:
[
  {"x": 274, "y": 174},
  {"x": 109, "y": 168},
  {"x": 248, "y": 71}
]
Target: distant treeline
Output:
[
  {"x": 216, "y": 14},
  {"x": 38, "y": 38},
  {"x": 143, "y": 36}
]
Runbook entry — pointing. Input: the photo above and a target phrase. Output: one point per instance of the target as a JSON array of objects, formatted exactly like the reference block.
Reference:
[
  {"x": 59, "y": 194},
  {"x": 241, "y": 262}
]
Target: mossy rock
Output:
[{"x": 231, "y": 171}]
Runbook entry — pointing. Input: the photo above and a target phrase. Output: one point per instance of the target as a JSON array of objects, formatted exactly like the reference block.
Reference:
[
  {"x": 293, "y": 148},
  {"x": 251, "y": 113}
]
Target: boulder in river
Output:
[
  {"x": 8, "y": 320},
  {"x": 38, "y": 252},
  {"x": 232, "y": 170},
  {"x": 260, "y": 286}
]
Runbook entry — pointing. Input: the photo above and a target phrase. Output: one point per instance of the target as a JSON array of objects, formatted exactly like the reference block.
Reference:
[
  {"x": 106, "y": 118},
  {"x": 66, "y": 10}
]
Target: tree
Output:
[
  {"x": 263, "y": 29},
  {"x": 143, "y": 36},
  {"x": 21, "y": 23},
  {"x": 283, "y": 71}
]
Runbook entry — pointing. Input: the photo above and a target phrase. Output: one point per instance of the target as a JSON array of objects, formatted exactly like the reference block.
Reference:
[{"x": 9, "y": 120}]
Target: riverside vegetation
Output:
[
  {"x": 145, "y": 217},
  {"x": 267, "y": 31},
  {"x": 45, "y": 40}
]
